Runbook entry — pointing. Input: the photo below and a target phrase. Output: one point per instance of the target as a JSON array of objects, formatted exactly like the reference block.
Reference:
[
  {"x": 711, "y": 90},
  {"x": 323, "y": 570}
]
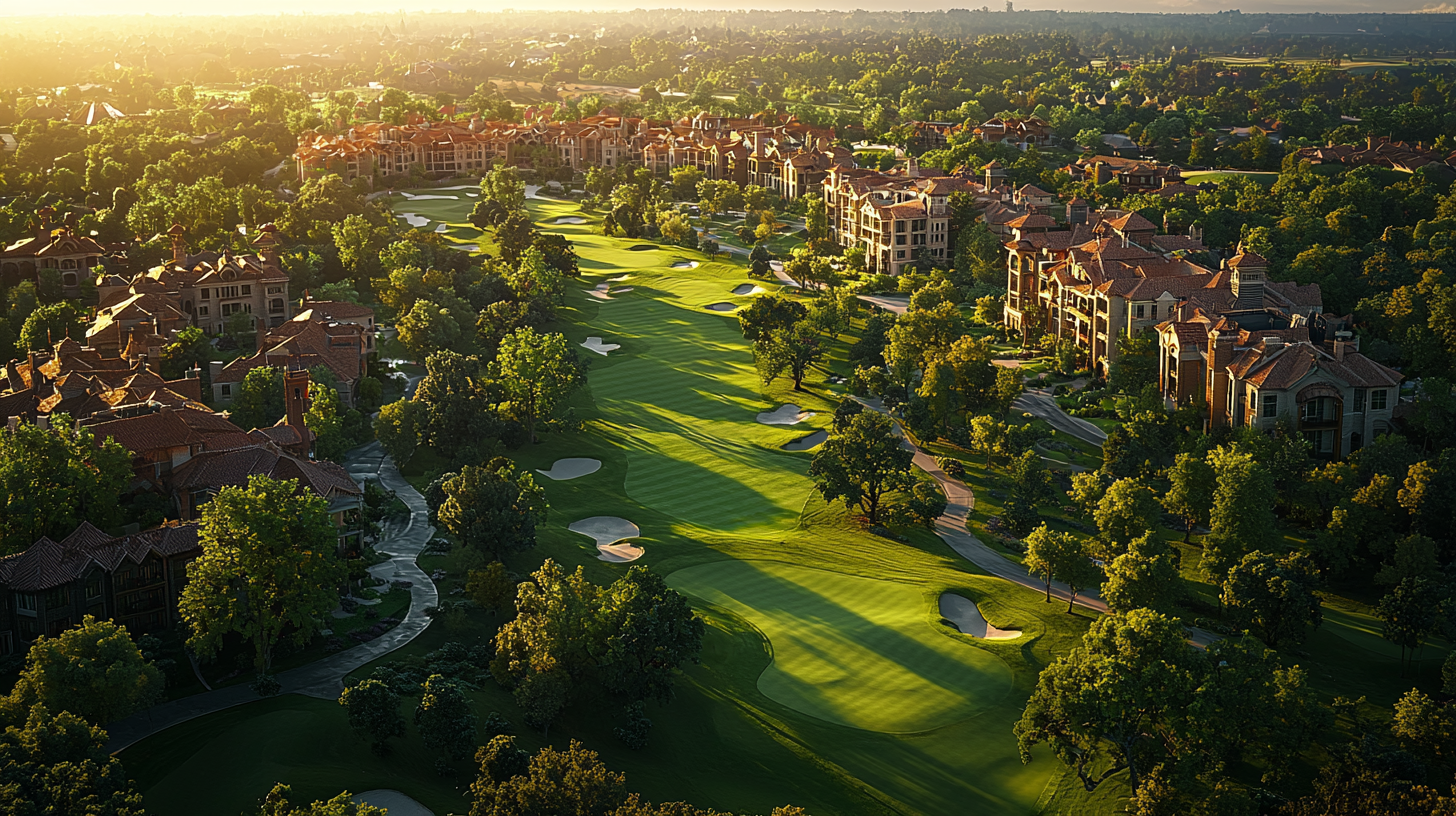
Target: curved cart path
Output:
[{"x": 323, "y": 678}]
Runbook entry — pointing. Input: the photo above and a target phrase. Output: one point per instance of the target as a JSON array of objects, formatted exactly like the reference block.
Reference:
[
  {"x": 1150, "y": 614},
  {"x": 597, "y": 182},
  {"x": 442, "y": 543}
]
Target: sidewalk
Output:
[{"x": 323, "y": 678}]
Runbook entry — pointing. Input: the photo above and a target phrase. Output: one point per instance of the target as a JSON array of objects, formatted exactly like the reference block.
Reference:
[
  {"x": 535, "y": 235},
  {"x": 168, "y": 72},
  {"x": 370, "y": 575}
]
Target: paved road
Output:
[
  {"x": 896, "y": 304},
  {"x": 1039, "y": 403},
  {"x": 324, "y": 678}
]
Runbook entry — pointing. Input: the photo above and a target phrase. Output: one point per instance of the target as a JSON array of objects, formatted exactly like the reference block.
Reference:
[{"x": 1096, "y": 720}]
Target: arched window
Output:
[{"x": 69, "y": 263}]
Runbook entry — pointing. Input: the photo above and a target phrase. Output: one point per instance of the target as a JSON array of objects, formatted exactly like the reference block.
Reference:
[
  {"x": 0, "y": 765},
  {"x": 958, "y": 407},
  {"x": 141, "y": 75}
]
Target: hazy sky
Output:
[{"x": 169, "y": 7}]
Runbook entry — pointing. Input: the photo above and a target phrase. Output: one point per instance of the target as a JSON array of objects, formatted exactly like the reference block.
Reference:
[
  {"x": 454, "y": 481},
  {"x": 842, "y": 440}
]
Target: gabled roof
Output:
[{"x": 48, "y": 564}]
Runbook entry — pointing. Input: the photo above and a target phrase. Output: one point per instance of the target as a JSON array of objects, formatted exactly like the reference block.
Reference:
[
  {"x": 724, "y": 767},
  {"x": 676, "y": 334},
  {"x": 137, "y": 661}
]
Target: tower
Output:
[{"x": 295, "y": 399}]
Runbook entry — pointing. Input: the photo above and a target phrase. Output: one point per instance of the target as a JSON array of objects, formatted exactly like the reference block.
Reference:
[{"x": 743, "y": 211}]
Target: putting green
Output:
[{"x": 850, "y": 650}]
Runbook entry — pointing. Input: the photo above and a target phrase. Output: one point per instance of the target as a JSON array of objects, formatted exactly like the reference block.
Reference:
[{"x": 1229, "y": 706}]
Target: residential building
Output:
[
  {"x": 55, "y": 245},
  {"x": 895, "y": 217},
  {"x": 308, "y": 340},
  {"x": 213, "y": 286}
]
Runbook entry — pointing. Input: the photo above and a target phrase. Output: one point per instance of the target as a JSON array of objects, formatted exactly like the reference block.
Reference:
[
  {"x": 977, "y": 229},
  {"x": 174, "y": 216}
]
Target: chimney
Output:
[
  {"x": 214, "y": 370},
  {"x": 912, "y": 168},
  {"x": 12, "y": 424},
  {"x": 1341, "y": 347},
  {"x": 43, "y": 422},
  {"x": 179, "y": 244},
  {"x": 260, "y": 333},
  {"x": 194, "y": 373},
  {"x": 295, "y": 399}
]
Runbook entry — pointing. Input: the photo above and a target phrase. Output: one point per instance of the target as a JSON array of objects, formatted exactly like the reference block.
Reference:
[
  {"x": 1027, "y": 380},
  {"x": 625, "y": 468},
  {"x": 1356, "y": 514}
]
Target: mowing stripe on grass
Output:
[{"x": 851, "y": 650}]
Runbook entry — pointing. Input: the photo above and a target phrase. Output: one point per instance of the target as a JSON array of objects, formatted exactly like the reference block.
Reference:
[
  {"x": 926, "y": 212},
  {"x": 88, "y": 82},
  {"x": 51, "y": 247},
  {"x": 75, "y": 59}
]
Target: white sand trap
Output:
[
  {"x": 963, "y": 612},
  {"x": 443, "y": 228},
  {"x": 414, "y": 220},
  {"x": 413, "y": 197},
  {"x": 466, "y": 247},
  {"x": 619, "y": 553},
  {"x": 618, "y": 279},
  {"x": 621, "y": 290},
  {"x": 601, "y": 291},
  {"x": 809, "y": 442},
  {"x": 396, "y": 803},
  {"x": 721, "y": 307},
  {"x": 784, "y": 415},
  {"x": 685, "y": 265},
  {"x": 473, "y": 195},
  {"x": 565, "y": 469},
  {"x": 776, "y": 266},
  {"x": 611, "y": 534},
  {"x": 570, "y": 219},
  {"x": 747, "y": 289},
  {"x": 595, "y": 344}
]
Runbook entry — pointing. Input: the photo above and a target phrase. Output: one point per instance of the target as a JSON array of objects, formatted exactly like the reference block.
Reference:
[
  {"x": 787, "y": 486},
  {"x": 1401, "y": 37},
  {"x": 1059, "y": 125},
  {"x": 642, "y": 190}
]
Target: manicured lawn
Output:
[
  {"x": 806, "y": 611},
  {"x": 851, "y": 650}
]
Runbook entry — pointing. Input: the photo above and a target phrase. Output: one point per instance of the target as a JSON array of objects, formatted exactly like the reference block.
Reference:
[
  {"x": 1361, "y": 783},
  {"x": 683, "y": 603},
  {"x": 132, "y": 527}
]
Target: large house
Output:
[
  {"x": 134, "y": 579},
  {"x": 896, "y": 218},
  {"x": 310, "y": 339},
  {"x": 211, "y": 287},
  {"x": 54, "y": 246}
]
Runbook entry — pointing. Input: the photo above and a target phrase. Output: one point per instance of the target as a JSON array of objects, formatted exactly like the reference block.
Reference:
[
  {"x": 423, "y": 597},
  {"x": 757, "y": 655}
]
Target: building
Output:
[
  {"x": 211, "y": 287},
  {"x": 895, "y": 217},
  {"x": 81, "y": 382},
  {"x": 54, "y": 246},
  {"x": 1019, "y": 133},
  {"x": 778, "y": 153},
  {"x": 342, "y": 346},
  {"x": 134, "y": 579}
]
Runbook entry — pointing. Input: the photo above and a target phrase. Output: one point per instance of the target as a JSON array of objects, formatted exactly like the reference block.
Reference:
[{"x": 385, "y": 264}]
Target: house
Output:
[
  {"x": 895, "y": 217},
  {"x": 306, "y": 341},
  {"x": 134, "y": 579},
  {"x": 213, "y": 286},
  {"x": 54, "y": 246}
]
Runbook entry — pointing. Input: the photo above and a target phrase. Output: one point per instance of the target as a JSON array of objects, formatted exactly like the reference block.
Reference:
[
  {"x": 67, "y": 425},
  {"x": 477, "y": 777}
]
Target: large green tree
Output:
[
  {"x": 374, "y": 712},
  {"x": 862, "y": 464},
  {"x": 445, "y": 719},
  {"x": 54, "y": 478},
  {"x": 1128, "y": 510},
  {"x": 1144, "y": 577},
  {"x": 268, "y": 569},
  {"x": 1242, "y": 519},
  {"x": 537, "y": 374},
  {"x": 93, "y": 670},
  {"x": 494, "y": 508},
  {"x": 1190, "y": 491},
  {"x": 57, "y": 765},
  {"x": 1274, "y": 597}
]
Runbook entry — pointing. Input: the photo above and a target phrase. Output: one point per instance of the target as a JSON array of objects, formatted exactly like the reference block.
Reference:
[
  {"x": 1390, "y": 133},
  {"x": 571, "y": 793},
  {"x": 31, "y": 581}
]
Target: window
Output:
[
  {"x": 58, "y": 598},
  {"x": 1359, "y": 400},
  {"x": 1137, "y": 311},
  {"x": 1377, "y": 399},
  {"x": 247, "y": 290},
  {"x": 1270, "y": 405},
  {"x": 202, "y": 310},
  {"x": 93, "y": 589},
  {"x": 204, "y": 294},
  {"x": 1155, "y": 311},
  {"x": 24, "y": 604},
  {"x": 227, "y": 390}
]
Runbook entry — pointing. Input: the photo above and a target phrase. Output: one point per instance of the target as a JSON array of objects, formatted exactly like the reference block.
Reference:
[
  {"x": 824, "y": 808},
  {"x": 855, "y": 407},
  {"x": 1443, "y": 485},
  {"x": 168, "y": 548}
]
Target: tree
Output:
[
  {"x": 1409, "y": 615},
  {"x": 1191, "y": 489},
  {"x": 768, "y": 315},
  {"x": 268, "y": 567},
  {"x": 492, "y": 588},
  {"x": 862, "y": 463},
  {"x": 397, "y": 427},
  {"x": 1144, "y": 577},
  {"x": 793, "y": 350},
  {"x": 189, "y": 348},
  {"x": 494, "y": 508},
  {"x": 429, "y": 327},
  {"x": 573, "y": 781},
  {"x": 1031, "y": 486},
  {"x": 259, "y": 402},
  {"x": 651, "y": 631},
  {"x": 359, "y": 243},
  {"x": 374, "y": 712},
  {"x": 502, "y": 193},
  {"x": 445, "y": 719},
  {"x": 1242, "y": 519},
  {"x": 51, "y": 323},
  {"x": 1128, "y": 510},
  {"x": 685, "y": 180},
  {"x": 1047, "y": 552},
  {"x": 324, "y": 418},
  {"x": 1097, "y": 706},
  {"x": 533, "y": 278},
  {"x": 54, "y": 478},
  {"x": 93, "y": 670},
  {"x": 1273, "y": 597},
  {"x": 537, "y": 372},
  {"x": 57, "y": 764},
  {"x": 278, "y": 802},
  {"x": 816, "y": 218},
  {"x": 1088, "y": 488}
]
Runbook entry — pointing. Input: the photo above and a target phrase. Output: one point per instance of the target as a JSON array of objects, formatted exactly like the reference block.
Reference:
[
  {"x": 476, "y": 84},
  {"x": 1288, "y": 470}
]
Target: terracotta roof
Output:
[
  {"x": 149, "y": 432},
  {"x": 48, "y": 564},
  {"x": 337, "y": 309},
  {"x": 216, "y": 469}
]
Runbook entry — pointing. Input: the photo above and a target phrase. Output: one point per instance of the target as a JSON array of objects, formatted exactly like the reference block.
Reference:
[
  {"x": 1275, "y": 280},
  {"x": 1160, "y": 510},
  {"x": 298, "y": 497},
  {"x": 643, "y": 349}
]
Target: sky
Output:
[{"x": 193, "y": 7}]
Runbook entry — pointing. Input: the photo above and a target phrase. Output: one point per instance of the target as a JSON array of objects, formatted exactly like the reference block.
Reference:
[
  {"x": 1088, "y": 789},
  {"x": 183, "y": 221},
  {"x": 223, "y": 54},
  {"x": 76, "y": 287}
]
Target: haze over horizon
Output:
[{"x": 331, "y": 7}]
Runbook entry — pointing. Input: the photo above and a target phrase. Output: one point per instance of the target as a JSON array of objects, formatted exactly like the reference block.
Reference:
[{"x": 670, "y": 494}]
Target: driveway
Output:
[{"x": 1039, "y": 403}]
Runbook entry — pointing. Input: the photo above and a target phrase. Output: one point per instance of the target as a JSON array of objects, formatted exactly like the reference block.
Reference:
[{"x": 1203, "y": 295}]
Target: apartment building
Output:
[{"x": 896, "y": 217}]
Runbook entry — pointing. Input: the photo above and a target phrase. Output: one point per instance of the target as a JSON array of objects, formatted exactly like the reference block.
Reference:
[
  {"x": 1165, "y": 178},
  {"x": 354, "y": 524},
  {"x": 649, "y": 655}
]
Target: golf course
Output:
[{"x": 828, "y": 678}]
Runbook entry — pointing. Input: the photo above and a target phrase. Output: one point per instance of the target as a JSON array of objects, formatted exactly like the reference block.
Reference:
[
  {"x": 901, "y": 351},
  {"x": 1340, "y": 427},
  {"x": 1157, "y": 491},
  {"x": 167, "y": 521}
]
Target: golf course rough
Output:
[{"x": 850, "y": 650}]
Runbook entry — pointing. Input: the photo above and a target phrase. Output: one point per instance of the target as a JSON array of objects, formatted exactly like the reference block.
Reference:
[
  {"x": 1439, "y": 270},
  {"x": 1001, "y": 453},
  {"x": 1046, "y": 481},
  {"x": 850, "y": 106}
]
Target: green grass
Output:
[
  {"x": 864, "y": 653},
  {"x": 725, "y": 513},
  {"x": 1216, "y": 176}
]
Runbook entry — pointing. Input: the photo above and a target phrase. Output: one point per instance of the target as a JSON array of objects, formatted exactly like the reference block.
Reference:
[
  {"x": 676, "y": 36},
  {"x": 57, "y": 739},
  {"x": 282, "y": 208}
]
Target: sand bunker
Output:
[
  {"x": 414, "y": 220},
  {"x": 611, "y": 534},
  {"x": 396, "y": 803},
  {"x": 570, "y": 219},
  {"x": 962, "y": 612},
  {"x": 443, "y": 228},
  {"x": 809, "y": 442},
  {"x": 618, "y": 279},
  {"x": 721, "y": 307},
  {"x": 621, "y": 289},
  {"x": 595, "y": 344},
  {"x": 685, "y": 265},
  {"x": 565, "y": 469},
  {"x": 466, "y": 247},
  {"x": 641, "y": 247},
  {"x": 747, "y": 289},
  {"x": 413, "y": 197},
  {"x": 603, "y": 291},
  {"x": 784, "y": 415}
]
